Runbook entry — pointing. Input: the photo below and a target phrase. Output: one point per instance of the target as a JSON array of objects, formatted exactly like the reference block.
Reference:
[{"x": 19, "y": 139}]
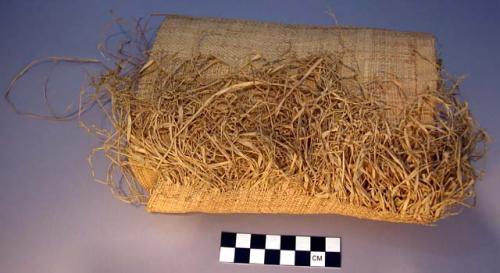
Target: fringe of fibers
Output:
[
  {"x": 291, "y": 123},
  {"x": 271, "y": 124}
]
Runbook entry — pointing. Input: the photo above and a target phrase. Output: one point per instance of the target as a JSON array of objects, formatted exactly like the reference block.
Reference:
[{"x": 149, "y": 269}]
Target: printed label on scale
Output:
[{"x": 292, "y": 250}]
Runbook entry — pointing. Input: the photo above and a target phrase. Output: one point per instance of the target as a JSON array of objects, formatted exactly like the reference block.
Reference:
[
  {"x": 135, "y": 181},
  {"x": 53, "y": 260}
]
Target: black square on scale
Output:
[
  {"x": 332, "y": 259},
  {"x": 242, "y": 255},
  {"x": 287, "y": 242},
  {"x": 258, "y": 241},
  {"x": 317, "y": 243},
  {"x": 228, "y": 239},
  {"x": 302, "y": 258},
  {"x": 272, "y": 256}
]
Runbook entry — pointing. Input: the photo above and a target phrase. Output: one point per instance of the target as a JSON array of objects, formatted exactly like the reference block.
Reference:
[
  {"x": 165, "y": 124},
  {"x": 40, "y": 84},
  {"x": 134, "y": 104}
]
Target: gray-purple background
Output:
[{"x": 54, "y": 218}]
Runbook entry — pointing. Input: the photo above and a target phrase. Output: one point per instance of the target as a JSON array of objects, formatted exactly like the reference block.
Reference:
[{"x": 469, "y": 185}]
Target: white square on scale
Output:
[
  {"x": 303, "y": 243},
  {"x": 318, "y": 258},
  {"x": 332, "y": 244},
  {"x": 257, "y": 256},
  {"x": 287, "y": 257},
  {"x": 273, "y": 242},
  {"x": 243, "y": 240},
  {"x": 226, "y": 255}
]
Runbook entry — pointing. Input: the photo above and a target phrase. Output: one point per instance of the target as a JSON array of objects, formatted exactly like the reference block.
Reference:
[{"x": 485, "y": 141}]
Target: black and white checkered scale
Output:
[{"x": 292, "y": 250}]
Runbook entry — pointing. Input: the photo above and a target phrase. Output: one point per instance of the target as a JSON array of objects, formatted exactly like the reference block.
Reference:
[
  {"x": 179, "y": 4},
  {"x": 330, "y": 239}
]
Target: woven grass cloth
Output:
[{"x": 398, "y": 67}]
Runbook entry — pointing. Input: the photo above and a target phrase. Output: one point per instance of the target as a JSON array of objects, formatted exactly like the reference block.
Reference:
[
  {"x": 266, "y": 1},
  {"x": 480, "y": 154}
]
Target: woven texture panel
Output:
[{"x": 402, "y": 60}]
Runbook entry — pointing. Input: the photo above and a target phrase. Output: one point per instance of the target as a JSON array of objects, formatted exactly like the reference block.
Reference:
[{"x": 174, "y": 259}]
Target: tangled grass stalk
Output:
[
  {"x": 299, "y": 124},
  {"x": 293, "y": 121}
]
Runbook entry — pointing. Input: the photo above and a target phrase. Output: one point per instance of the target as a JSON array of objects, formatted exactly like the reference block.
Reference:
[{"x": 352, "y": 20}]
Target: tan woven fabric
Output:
[
  {"x": 405, "y": 60},
  {"x": 378, "y": 54},
  {"x": 182, "y": 199}
]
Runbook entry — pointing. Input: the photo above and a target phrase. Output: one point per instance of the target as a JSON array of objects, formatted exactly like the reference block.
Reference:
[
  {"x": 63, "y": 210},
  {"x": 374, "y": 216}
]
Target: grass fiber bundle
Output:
[
  {"x": 293, "y": 134},
  {"x": 296, "y": 125}
]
